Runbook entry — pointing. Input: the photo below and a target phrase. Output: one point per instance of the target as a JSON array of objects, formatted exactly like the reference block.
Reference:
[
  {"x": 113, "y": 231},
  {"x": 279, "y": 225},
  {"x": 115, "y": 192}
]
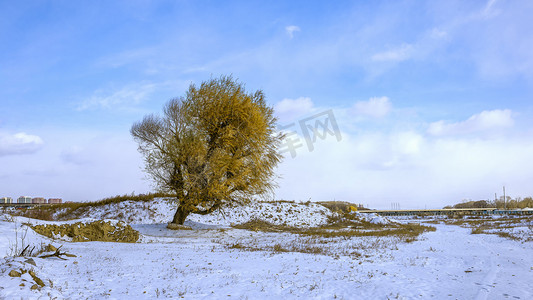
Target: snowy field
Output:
[{"x": 216, "y": 261}]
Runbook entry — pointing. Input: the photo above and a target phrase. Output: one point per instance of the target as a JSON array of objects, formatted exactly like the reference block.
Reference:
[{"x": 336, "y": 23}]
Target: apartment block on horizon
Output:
[
  {"x": 6, "y": 200},
  {"x": 24, "y": 200},
  {"x": 38, "y": 200},
  {"x": 55, "y": 201}
]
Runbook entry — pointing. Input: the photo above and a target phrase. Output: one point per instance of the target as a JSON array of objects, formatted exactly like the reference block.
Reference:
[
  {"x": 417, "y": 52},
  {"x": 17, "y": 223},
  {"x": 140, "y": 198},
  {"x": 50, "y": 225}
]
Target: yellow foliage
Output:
[{"x": 216, "y": 146}]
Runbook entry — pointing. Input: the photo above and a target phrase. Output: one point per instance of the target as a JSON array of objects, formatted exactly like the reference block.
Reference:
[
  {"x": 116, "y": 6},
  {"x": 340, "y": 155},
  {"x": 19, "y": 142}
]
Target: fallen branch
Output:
[{"x": 58, "y": 254}]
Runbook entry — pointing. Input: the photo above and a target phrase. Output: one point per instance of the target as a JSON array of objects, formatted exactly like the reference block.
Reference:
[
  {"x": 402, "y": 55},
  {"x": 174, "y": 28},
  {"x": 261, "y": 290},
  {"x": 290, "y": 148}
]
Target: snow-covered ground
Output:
[
  {"x": 215, "y": 261},
  {"x": 162, "y": 210}
]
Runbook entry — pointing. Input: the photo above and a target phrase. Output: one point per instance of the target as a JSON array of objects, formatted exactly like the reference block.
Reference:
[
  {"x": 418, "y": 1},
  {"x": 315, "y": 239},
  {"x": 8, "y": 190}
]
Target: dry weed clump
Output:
[
  {"x": 94, "y": 231},
  {"x": 260, "y": 225},
  {"x": 478, "y": 230}
]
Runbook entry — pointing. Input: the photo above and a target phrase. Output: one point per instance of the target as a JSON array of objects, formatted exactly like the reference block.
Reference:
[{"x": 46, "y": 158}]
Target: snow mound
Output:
[
  {"x": 133, "y": 212},
  {"x": 375, "y": 218},
  {"x": 161, "y": 210}
]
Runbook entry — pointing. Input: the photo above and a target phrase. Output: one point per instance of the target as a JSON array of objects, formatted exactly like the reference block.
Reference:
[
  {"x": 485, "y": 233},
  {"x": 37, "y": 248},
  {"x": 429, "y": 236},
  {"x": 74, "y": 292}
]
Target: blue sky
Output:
[{"x": 433, "y": 98}]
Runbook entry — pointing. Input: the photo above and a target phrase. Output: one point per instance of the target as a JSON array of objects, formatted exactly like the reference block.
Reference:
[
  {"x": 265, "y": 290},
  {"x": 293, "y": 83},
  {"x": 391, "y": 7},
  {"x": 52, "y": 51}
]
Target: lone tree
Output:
[{"x": 215, "y": 147}]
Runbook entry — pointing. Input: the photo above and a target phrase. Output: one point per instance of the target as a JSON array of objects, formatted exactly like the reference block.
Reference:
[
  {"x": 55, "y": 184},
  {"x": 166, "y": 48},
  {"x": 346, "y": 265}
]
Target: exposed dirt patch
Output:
[
  {"x": 94, "y": 231},
  {"x": 174, "y": 226}
]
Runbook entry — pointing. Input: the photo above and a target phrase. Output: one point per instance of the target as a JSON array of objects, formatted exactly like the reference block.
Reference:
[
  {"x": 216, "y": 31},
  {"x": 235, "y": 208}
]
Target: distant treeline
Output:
[
  {"x": 499, "y": 204},
  {"x": 342, "y": 206}
]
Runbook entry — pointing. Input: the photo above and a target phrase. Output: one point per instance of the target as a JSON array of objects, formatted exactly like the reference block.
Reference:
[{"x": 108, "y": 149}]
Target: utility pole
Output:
[{"x": 504, "y": 199}]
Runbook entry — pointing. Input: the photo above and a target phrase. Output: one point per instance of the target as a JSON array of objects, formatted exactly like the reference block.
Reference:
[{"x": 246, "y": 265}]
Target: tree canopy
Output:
[{"x": 215, "y": 146}]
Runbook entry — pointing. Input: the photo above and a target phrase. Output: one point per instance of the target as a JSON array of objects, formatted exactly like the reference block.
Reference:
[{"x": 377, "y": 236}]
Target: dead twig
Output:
[{"x": 58, "y": 254}]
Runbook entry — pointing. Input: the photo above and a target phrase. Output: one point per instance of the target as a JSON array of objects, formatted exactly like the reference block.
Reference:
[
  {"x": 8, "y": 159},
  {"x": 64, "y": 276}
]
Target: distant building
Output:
[
  {"x": 24, "y": 199},
  {"x": 6, "y": 200},
  {"x": 38, "y": 200},
  {"x": 55, "y": 201}
]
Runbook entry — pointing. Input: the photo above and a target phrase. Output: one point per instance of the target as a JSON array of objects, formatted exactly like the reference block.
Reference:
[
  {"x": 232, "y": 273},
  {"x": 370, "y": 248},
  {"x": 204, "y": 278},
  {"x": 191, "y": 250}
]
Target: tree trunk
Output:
[{"x": 180, "y": 215}]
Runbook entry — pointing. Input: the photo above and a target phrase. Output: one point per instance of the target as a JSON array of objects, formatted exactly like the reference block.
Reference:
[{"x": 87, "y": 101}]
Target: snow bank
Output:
[
  {"x": 162, "y": 210},
  {"x": 375, "y": 218}
]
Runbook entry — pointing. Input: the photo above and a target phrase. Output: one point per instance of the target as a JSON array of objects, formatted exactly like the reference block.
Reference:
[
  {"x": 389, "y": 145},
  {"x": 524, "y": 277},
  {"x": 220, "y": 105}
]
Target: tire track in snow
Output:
[{"x": 487, "y": 284}]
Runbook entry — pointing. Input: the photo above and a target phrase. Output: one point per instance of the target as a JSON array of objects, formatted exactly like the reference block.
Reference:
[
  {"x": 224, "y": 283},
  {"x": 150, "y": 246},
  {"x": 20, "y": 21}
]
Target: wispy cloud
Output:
[
  {"x": 485, "y": 121},
  {"x": 494, "y": 37},
  {"x": 288, "y": 110},
  {"x": 376, "y": 107},
  {"x": 19, "y": 143},
  {"x": 489, "y": 10},
  {"x": 401, "y": 53},
  {"x": 126, "y": 96},
  {"x": 290, "y": 30},
  {"x": 430, "y": 41},
  {"x": 127, "y": 57}
]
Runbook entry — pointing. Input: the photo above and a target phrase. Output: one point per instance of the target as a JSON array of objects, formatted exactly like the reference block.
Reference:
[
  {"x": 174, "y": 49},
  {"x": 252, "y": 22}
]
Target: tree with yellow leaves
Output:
[{"x": 215, "y": 147}]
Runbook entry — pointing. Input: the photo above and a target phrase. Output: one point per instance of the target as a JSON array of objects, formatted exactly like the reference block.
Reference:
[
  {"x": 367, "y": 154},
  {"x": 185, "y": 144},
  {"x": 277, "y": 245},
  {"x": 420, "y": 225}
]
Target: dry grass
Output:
[
  {"x": 478, "y": 230},
  {"x": 293, "y": 246},
  {"x": 345, "y": 235},
  {"x": 281, "y": 201},
  {"x": 340, "y": 206},
  {"x": 475, "y": 221},
  {"x": 40, "y": 213},
  {"x": 260, "y": 225},
  {"x": 501, "y": 226},
  {"x": 361, "y": 248},
  {"x": 342, "y": 227}
]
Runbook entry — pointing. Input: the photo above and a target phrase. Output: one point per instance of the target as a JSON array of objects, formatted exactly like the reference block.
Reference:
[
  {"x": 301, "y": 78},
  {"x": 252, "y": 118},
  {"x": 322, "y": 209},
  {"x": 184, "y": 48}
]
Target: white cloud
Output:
[
  {"x": 290, "y": 30},
  {"x": 129, "y": 95},
  {"x": 486, "y": 121},
  {"x": 404, "y": 52},
  {"x": 76, "y": 165},
  {"x": 408, "y": 143},
  {"x": 378, "y": 168},
  {"x": 19, "y": 143},
  {"x": 376, "y": 107},
  {"x": 288, "y": 110}
]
